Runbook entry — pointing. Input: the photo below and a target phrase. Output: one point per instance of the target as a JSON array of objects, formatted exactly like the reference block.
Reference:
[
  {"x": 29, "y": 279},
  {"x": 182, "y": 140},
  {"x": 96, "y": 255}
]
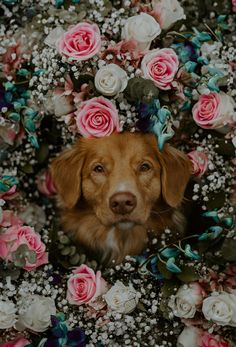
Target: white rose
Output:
[
  {"x": 63, "y": 104},
  {"x": 53, "y": 36},
  {"x": 35, "y": 313},
  {"x": 188, "y": 337},
  {"x": 111, "y": 80},
  {"x": 7, "y": 314},
  {"x": 209, "y": 50},
  {"x": 168, "y": 12},
  {"x": 185, "y": 301},
  {"x": 121, "y": 299},
  {"x": 221, "y": 309},
  {"x": 228, "y": 106},
  {"x": 143, "y": 28}
]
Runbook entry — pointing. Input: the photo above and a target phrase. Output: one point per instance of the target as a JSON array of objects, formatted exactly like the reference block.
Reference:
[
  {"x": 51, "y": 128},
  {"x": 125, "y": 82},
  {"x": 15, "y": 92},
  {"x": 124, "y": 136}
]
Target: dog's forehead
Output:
[{"x": 123, "y": 145}]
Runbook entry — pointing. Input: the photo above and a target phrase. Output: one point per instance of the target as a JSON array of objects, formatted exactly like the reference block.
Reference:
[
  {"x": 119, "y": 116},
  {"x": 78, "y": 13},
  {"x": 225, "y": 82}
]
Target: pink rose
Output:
[
  {"x": 213, "y": 110},
  {"x": 208, "y": 340},
  {"x": 97, "y": 117},
  {"x": 12, "y": 133},
  {"x": 17, "y": 235},
  {"x": 45, "y": 184},
  {"x": 19, "y": 342},
  {"x": 9, "y": 219},
  {"x": 10, "y": 194},
  {"x": 199, "y": 162},
  {"x": 160, "y": 66},
  {"x": 84, "y": 286},
  {"x": 80, "y": 42},
  {"x": 12, "y": 59},
  {"x": 234, "y": 2}
]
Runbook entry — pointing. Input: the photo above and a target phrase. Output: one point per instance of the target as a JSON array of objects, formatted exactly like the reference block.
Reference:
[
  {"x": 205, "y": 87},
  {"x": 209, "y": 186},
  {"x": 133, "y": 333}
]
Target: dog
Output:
[{"x": 113, "y": 190}]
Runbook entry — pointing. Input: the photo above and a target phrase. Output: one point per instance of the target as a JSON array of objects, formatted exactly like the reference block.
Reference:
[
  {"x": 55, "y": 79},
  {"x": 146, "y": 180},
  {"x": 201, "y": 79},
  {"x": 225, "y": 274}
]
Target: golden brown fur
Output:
[{"x": 113, "y": 190}]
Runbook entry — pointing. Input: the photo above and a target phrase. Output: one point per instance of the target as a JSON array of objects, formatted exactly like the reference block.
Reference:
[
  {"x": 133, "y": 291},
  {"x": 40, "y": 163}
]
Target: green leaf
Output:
[
  {"x": 27, "y": 168},
  {"x": 163, "y": 270},
  {"x": 188, "y": 274},
  {"x": 216, "y": 200},
  {"x": 228, "y": 250},
  {"x": 42, "y": 153},
  {"x": 169, "y": 288},
  {"x": 31, "y": 256}
]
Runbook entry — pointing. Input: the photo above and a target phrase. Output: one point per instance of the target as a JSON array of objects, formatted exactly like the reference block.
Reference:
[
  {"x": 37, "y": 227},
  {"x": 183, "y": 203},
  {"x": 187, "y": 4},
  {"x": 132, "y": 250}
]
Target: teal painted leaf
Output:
[
  {"x": 216, "y": 231},
  {"x": 171, "y": 266},
  {"x": 6, "y": 182},
  {"x": 29, "y": 125},
  {"x": 212, "y": 214},
  {"x": 212, "y": 84},
  {"x": 9, "y": 86},
  {"x": 221, "y": 18},
  {"x": 170, "y": 252},
  {"x": 23, "y": 72},
  {"x": 202, "y": 60},
  {"x": 33, "y": 140},
  {"x": 203, "y": 236},
  {"x": 191, "y": 254},
  {"x": 196, "y": 42},
  {"x": 190, "y": 66},
  {"x": 228, "y": 222},
  {"x": 186, "y": 106},
  {"x": 203, "y": 36},
  {"x": 14, "y": 116}
]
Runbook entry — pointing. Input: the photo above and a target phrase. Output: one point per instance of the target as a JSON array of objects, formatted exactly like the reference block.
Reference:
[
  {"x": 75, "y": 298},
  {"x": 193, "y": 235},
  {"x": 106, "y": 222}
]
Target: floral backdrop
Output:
[{"x": 90, "y": 68}]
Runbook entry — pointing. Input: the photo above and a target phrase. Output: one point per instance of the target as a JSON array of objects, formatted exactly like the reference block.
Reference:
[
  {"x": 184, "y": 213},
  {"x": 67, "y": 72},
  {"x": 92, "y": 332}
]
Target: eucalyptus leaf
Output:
[
  {"x": 188, "y": 274},
  {"x": 228, "y": 250},
  {"x": 164, "y": 271},
  {"x": 42, "y": 153}
]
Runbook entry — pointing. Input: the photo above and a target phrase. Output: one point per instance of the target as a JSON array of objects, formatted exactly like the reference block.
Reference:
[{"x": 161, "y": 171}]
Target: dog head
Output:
[{"x": 120, "y": 177}]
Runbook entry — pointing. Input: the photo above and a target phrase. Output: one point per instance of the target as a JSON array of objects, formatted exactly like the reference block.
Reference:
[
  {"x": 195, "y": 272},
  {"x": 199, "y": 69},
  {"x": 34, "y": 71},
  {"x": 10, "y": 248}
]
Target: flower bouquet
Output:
[{"x": 73, "y": 68}]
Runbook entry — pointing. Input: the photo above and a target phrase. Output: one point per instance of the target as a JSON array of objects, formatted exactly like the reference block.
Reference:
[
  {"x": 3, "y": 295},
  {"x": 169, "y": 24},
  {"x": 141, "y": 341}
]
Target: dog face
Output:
[{"x": 120, "y": 177}]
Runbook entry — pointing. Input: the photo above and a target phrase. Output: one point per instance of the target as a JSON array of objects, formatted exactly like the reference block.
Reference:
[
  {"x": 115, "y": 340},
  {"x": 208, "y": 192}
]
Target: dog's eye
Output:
[
  {"x": 98, "y": 168},
  {"x": 144, "y": 167}
]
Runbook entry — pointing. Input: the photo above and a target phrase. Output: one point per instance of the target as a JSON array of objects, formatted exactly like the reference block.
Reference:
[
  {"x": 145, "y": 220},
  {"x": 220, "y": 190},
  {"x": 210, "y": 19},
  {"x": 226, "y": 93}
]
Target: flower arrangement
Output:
[{"x": 74, "y": 68}]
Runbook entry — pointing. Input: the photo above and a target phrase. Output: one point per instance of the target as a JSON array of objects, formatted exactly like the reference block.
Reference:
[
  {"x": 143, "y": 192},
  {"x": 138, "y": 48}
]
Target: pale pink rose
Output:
[
  {"x": 84, "y": 286},
  {"x": 208, "y": 340},
  {"x": 45, "y": 184},
  {"x": 199, "y": 162},
  {"x": 17, "y": 235},
  {"x": 10, "y": 194},
  {"x": 213, "y": 110},
  {"x": 12, "y": 59},
  {"x": 167, "y": 12},
  {"x": 12, "y": 133},
  {"x": 19, "y": 342},
  {"x": 10, "y": 219},
  {"x": 97, "y": 117},
  {"x": 160, "y": 66},
  {"x": 80, "y": 42}
]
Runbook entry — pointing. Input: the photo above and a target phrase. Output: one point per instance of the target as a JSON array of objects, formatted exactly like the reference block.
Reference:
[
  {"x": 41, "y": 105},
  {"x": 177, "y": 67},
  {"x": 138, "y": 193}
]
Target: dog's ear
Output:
[
  {"x": 66, "y": 174},
  {"x": 176, "y": 172}
]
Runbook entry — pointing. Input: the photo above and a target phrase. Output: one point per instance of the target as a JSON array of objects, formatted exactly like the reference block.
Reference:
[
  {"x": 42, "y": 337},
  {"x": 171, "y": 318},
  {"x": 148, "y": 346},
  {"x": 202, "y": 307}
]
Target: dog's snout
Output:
[{"x": 122, "y": 203}]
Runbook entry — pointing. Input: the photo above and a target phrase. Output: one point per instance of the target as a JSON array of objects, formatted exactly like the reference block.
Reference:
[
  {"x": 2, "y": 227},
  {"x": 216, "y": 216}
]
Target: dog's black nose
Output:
[{"x": 122, "y": 203}]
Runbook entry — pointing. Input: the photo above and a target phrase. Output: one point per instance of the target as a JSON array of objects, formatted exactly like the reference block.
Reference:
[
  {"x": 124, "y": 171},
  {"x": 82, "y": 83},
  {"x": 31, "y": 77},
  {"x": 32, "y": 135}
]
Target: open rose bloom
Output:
[
  {"x": 84, "y": 286},
  {"x": 199, "y": 162},
  {"x": 97, "y": 117},
  {"x": 18, "y": 342},
  {"x": 213, "y": 110},
  {"x": 160, "y": 66},
  {"x": 81, "y": 42},
  {"x": 11, "y": 238}
]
